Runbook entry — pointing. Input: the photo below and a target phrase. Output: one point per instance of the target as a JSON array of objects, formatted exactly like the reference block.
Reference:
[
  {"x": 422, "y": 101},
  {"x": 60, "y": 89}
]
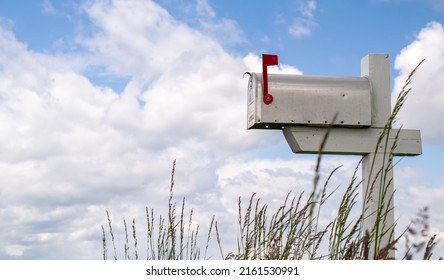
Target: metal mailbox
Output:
[
  {"x": 308, "y": 100},
  {"x": 359, "y": 108}
]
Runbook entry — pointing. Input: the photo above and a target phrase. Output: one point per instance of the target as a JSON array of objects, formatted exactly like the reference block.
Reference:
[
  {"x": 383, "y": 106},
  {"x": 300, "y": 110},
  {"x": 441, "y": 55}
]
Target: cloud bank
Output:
[{"x": 423, "y": 109}]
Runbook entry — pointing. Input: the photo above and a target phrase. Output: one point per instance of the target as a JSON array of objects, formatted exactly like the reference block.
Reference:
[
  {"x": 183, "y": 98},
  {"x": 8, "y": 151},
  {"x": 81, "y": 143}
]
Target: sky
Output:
[{"x": 98, "y": 98}]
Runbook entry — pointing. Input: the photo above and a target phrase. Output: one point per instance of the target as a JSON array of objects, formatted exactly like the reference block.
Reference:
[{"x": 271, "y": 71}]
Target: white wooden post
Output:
[{"x": 377, "y": 169}]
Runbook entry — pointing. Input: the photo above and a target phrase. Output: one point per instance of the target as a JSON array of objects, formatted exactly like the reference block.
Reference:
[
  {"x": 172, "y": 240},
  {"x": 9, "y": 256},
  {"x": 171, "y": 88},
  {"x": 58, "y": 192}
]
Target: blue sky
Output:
[{"x": 98, "y": 98}]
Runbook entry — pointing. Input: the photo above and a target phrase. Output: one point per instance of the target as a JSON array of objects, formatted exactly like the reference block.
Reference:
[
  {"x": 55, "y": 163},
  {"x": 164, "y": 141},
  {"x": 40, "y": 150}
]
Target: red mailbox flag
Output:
[{"x": 267, "y": 60}]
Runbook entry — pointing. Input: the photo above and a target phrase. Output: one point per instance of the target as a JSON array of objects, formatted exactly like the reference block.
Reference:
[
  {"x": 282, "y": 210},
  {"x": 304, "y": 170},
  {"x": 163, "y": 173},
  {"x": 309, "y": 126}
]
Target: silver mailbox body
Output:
[{"x": 309, "y": 100}]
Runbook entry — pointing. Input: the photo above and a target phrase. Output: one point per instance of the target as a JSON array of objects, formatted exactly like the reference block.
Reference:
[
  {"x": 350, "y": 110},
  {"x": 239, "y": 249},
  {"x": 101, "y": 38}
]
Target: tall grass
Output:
[
  {"x": 292, "y": 231},
  {"x": 170, "y": 237}
]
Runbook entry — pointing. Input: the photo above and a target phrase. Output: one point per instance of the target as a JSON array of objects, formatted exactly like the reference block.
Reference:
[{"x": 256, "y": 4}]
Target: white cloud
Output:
[
  {"x": 304, "y": 24},
  {"x": 423, "y": 196},
  {"x": 226, "y": 31},
  {"x": 423, "y": 108},
  {"x": 14, "y": 250},
  {"x": 307, "y": 9},
  {"x": 204, "y": 9},
  {"x": 144, "y": 45},
  {"x": 254, "y": 64},
  {"x": 243, "y": 178},
  {"x": 301, "y": 28}
]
